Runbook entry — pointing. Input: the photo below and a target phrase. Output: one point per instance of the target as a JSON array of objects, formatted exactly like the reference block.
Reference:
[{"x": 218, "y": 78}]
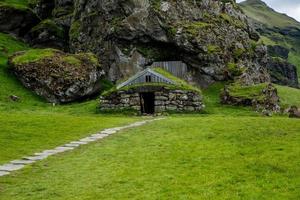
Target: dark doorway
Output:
[{"x": 147, "y": 102}]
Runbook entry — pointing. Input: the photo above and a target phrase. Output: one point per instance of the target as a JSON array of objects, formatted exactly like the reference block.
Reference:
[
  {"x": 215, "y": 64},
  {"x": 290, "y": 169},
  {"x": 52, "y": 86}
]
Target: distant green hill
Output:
[{"x": 275, "y": 28}]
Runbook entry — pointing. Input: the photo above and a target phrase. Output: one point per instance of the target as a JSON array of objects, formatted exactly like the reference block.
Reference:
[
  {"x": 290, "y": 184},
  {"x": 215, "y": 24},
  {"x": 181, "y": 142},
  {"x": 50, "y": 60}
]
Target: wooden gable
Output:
[{"x": 146, "y": 76}]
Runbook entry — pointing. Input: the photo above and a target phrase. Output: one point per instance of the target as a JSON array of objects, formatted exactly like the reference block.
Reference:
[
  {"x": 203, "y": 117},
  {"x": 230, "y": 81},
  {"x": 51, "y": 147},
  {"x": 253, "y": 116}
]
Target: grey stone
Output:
[
  {"x": 11, "y": 167},
  {"x": 78, "y": 142},
  {"x": 4, "y": 173},
  {"x": 35, "y": 158},
  {"x": 22, "y": 162},
  {"x": 72, "y": 145},
  {"x": 88, "y": 139}
]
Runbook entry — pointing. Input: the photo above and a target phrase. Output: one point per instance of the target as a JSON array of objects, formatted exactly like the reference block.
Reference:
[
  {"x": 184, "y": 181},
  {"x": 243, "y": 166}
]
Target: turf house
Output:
[{"x": 151, "y": 91}]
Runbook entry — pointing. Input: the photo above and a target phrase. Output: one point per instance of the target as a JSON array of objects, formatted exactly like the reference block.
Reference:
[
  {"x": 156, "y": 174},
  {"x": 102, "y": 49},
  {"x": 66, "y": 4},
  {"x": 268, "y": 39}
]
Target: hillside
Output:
[{"x": 275, "y": 28}]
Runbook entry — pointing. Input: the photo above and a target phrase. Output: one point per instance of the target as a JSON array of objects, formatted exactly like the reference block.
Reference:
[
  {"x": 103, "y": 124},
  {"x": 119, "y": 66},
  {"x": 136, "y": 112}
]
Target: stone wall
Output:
[{"x": 165, "y": 100}]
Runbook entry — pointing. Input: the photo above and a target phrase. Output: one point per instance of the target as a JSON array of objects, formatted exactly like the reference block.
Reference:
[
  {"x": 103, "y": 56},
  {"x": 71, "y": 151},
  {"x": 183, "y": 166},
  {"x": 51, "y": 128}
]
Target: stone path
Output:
[{"x": 15, "y": 165}]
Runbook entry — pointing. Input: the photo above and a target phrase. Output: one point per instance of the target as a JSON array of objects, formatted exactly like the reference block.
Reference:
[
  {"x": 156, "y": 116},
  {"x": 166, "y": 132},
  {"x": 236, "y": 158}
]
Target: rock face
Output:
[
  {"x": 16, "y": 20},
  {"x": 57, "y": 76},
  {"x": 282, "y": 33},
  {"x": 165, "y": 100},
  {"x": 263, "y": 97},
  {"x": 282, "y": 72},
  {"x": 47, "y": 34},
  {"x": 53, "y": 30},
  {"x": 212, "y": 37}
]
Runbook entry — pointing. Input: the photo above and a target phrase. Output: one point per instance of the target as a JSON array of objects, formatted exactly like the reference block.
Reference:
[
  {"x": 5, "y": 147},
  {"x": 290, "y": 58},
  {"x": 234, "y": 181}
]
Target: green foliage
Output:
[
  {"x": 182, "y": 157},
  {"x": 33, "y": 55}
]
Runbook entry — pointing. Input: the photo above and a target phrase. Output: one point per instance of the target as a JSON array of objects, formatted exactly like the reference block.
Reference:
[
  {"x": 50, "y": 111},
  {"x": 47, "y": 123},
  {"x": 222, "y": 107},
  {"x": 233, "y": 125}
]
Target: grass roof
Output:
[{"x": 179, "y": 84}]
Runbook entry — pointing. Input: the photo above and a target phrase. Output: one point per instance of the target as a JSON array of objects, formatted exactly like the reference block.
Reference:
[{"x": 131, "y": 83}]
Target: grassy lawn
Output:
[
  {"x": 26, "y": 133},
  {"x": 191, "y": 157},
  {"x": 31, "y": 125}
]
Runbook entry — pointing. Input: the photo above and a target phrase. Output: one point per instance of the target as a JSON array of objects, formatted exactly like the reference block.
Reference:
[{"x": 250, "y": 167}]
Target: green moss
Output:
[
  {"x": 238, "y": 53},
  {"x": 247, "y": 92},
  {"x": 33, "y": 55},
  {"x": 50, "y": 25},
  {"x": 193, "y": 27},
  {"x": 211, "y": 49},
  {"x": 234, "y": 69},
  {"x": 72, "y": 60},
  {"x": 74, "y": 30},
  {"x": 179, "y": 82},
  {"x": 92, "y": 57},
  {"x": 233, "y": 21}
]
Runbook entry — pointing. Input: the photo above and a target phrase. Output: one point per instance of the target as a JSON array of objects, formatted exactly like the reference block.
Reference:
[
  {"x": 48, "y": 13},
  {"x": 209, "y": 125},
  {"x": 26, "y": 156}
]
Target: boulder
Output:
[
  {"x": 262, "y": 97},
  {"x": 16, "y": 19},
  {"x": 294, "y": 112},
  {"x": 57, "y": 76}
]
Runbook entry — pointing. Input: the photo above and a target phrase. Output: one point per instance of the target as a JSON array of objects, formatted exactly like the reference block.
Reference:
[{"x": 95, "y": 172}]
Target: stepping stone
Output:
[
  {"x": 45, "y": 153},
  {"x": 109, "y": 132},
  {"x": 22, "y": 162},
  {"x": 88, "y": 139},
  {"x": 78, "y": 142},
  {"x": 35, "y": 158},
  {"x": 51, "y": 152},
  {"x": 10, "y": 167},
  {"x": 63, "y": 149},
  {"x": 99, "y": 136},
  {"x": 72, "y": 145},
  {"x": 3, "y": 173}
]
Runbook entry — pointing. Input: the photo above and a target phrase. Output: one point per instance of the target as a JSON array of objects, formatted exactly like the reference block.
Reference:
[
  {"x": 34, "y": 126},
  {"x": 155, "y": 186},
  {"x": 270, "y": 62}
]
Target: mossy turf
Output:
[
  {"x": 288, "y": 96},
  {"x": 33, "y": 55},
  {"x": 182, "y": 157}
]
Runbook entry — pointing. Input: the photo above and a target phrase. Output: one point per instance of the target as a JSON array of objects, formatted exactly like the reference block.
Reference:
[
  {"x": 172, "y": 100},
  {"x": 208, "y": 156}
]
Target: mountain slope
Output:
[{"x": 276, "y": 29}]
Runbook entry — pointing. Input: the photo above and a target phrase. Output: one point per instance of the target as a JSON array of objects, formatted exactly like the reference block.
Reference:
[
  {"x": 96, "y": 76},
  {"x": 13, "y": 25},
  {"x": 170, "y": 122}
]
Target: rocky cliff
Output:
[{"x": 212, "y": 37}]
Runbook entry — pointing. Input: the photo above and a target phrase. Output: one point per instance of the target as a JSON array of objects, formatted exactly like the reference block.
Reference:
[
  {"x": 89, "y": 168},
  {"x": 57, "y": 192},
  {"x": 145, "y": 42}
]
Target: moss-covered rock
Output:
[
  {"x": 16, "y": 19},
  {"x": 57, "y": 76},
  {"x": 260, "y": 96}
]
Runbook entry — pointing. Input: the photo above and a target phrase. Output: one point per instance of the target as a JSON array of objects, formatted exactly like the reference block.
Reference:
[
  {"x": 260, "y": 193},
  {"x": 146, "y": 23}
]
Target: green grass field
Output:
[
  {"x": 225, "y": 153},
  {"x": 182, "y": 157}
]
